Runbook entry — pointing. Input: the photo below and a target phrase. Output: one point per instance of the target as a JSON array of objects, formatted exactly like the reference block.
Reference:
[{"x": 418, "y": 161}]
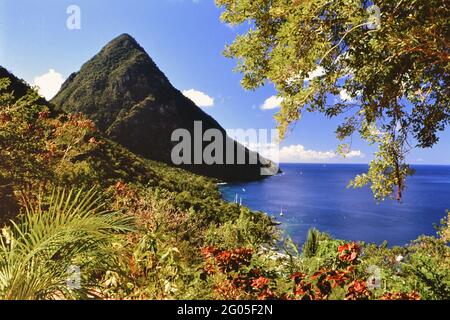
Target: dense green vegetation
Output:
[
  {"x": 52, "y": 236},
  {"x": 175, "y": 211},
  {"x": 139, "y": 229}
]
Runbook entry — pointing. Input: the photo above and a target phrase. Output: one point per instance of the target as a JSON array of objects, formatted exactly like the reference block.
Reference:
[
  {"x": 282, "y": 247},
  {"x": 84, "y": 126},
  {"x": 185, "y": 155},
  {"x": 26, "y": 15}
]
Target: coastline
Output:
[{"x": 316, "y": 196}]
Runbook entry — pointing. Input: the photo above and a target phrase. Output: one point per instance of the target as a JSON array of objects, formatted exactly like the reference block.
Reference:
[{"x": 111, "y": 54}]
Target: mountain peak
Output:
[
  {"x": 124, "y": 36},
  {"x": 123, "y": 91},
  {"x": 125, "y": 40},
  {"x": 123, "y": 47},
  {"x": 121, "y": 75}
]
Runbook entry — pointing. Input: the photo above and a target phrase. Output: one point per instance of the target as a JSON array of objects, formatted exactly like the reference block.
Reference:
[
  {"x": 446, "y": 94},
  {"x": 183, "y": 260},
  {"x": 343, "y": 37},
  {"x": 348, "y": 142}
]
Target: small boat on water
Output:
[{"x": 238, "y": 199}]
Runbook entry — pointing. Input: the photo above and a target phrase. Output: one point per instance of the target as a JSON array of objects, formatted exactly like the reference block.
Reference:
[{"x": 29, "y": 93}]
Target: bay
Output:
[{"x": 316, "y": 195}]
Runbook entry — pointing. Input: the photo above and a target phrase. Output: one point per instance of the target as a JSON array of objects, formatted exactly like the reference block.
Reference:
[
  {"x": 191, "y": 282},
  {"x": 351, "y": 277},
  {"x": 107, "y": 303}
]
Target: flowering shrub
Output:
[
  {"x": 177, "y": 213},
  {"x": 349, "y": 252},
  {"x": 235, "y": 280},
  {"x": 325, "y": 280},
  {"x": 226, "y": 260},
  {"x": 235, "y": 277},
  {"x": 400, "y": 296},
  {"x": 303, "y": 290},
  {"x": 261, "y": 285},
  {"x": 357, "y": 290},
  {"x": 36, "y": 149}
]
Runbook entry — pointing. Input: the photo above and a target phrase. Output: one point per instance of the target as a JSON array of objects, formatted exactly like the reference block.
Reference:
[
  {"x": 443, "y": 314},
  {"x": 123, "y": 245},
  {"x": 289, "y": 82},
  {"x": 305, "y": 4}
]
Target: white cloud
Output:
[
  {"x": 272, "y": 103},
  {"x": 199, "y": 98},
  {"x": 344, "y": 96},
  {"x": 295, "y": 153},
  {"x": 49, "y": 83},
  {"x": 355, "y": 154},
  {"x": 298, "y": 153},
  {"x": 318, "y": 72}
]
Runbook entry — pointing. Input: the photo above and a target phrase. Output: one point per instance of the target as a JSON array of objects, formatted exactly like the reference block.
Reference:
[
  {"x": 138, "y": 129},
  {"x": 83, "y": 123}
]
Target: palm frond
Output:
[{"x": 71, "y": 228}]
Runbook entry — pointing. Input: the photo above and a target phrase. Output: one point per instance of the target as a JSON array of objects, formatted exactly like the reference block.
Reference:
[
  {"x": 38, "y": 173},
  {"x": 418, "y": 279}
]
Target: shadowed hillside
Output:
[{"x": 134, "y": 104}]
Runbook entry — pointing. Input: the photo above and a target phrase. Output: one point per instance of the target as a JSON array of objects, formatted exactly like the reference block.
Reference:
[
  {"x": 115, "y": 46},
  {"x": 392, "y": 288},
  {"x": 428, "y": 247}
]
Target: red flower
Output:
[
  {"x": 260, "y": 283},
  {"x": 357, "y": 291},
  {"x": 44, "y": 115},
  {"x": 305, "y": 291},
  {"x": 359, "y": 286},
  {"x": 228, "y": 260},
  {"x": 338, "y": 278},
  {"x": 209, "y": 252},
  {"x": 348, "y": 252}
]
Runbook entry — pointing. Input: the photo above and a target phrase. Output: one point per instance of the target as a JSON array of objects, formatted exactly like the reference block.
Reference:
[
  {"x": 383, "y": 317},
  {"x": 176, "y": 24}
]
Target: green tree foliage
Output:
[
  {"x": 35, "y": 148},
  {"x": 185, "y": 242},
  {"x": 176, "y": 212},
  {"x": 311, "y": 245},
  {"x": 392, "y": 70},
  {"x": 21, "y": 138}
]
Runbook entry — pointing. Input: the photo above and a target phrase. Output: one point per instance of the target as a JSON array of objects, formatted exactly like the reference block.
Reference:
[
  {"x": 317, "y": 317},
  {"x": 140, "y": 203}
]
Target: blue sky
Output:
[{"x": 186, "y": 39}]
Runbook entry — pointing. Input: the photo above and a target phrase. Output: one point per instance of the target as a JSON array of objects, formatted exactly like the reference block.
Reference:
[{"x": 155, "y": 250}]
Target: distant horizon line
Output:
[{"x": 360, "y": 163}]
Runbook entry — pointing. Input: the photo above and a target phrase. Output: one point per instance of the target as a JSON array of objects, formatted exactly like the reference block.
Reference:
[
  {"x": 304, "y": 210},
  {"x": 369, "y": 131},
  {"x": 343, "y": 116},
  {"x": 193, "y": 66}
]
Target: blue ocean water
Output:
[{"x": 316, "y": 195}]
